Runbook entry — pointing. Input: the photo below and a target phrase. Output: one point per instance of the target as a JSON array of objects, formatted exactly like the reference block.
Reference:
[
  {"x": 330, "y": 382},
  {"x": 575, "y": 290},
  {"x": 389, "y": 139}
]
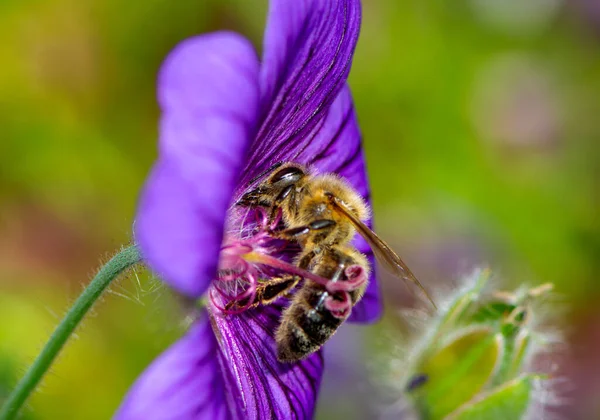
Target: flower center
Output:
[{"x": 248, "y": 262}]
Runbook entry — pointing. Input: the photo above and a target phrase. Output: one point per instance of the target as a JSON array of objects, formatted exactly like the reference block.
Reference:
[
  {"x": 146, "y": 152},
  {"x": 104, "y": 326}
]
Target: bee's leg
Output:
[
  {"x": 269, "y": 209},
  {"x": 305, "y": 259},
  {"x": 258, "y": 197},
  {"x": 276, "y": 208},
  {"x": 268, "y": 291},
  {"x": 323, "y": 226},
  {"x": 285, "y": 193}
]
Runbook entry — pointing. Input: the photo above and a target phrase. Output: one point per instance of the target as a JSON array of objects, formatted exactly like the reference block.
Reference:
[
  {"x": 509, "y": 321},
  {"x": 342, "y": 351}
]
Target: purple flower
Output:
[{"x": 227, "y": 118}]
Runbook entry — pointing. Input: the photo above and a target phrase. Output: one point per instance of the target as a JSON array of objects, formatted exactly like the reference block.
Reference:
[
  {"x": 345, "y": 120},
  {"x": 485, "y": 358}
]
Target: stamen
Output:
[
  {"x": 339, "y": 309},
  {"x": 214, "y": 301},
  {"x": 248, "y": 295},
  {"x": 225, "y": 310},
  {"x": 238, "y": 248},
  {"x": 236, "y": 283},
  {"x": 235, "y": 273},
  {"x": 356, "y": 277},
  {"x": 250, "y": 291},
  {"x": 284, "y": 266}
]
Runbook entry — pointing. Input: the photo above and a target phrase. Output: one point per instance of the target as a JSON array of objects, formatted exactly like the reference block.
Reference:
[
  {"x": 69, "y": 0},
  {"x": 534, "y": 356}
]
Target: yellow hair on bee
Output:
[
  {"x": 340, "y": 188},
  {"x": 321, "y": 213}
]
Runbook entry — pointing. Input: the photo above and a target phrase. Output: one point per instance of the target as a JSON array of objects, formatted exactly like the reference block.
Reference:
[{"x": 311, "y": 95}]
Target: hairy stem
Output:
[{"x": 122, "y": 261}]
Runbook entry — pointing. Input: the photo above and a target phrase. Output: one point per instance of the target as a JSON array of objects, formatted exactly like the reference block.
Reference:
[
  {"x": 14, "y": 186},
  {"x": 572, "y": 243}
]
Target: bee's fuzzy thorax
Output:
[
  {"x": 339, "y": 188},
  {"x": 319, "y": 214}
]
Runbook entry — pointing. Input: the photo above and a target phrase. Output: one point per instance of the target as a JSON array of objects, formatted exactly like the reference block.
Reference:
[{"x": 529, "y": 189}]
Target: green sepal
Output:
[
  {"x": 456, "y": 373},
  {"x": 514, "y": 355},
  {"x": 509, "y": 401},
  {"x": 457, "y": 310}
]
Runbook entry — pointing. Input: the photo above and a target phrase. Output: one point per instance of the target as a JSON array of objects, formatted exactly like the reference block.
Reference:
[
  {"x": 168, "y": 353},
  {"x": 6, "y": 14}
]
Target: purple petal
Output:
[
  {"x": 269, "y": 389},
  {"x": 208, "y": 92},
  {"x": 308, "y": 50},
  {"x": 185, "y": 382},
  {"x": 335, "y": 146},
  {"x": 234, "y": 375}
]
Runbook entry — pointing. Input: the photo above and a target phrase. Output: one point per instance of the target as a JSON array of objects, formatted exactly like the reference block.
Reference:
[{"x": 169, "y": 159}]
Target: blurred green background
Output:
[{"x": 481, "y": 121}]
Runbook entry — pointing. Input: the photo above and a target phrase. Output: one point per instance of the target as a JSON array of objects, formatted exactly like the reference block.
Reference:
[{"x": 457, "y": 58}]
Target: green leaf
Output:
[{"x": 509, "y": 401}]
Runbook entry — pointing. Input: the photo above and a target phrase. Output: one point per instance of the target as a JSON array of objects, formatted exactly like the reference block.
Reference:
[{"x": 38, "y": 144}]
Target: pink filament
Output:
[
  {"x": 242, "y": 256},
  {"x": 339, "y": 309},
  {"x": 341, "y": 289},
  {"x": 249, "y": 294},
  {"x": 356, "y": 277},
  {"x": 236, "y": 274},
  {"x": 290, "y": 268},
  {"x": 236, "y": 249}
]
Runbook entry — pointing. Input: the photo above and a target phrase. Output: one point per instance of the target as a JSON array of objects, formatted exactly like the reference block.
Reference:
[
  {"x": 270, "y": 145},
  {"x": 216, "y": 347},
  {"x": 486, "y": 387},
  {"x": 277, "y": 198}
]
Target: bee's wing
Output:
[{"x": 382, "y": 251}]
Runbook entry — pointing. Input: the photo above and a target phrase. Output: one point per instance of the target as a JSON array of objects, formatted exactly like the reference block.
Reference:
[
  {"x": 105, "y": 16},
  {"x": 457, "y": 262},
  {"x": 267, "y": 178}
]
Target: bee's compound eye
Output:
[{"x": 287, "y": 175}]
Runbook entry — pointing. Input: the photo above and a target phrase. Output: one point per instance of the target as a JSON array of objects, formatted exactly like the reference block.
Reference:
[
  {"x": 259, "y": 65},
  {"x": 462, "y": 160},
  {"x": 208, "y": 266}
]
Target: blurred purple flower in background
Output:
[{"x": 226, "y": 119}]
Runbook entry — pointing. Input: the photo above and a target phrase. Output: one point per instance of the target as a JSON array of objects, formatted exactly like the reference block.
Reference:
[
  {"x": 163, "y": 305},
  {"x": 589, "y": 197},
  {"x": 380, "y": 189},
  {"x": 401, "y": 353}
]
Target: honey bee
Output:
[{"x": 321, "y": 213}]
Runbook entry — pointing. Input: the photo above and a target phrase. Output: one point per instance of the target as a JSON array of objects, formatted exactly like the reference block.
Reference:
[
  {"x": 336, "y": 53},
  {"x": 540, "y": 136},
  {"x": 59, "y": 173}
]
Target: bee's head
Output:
[{"x": 275, "y": 187}]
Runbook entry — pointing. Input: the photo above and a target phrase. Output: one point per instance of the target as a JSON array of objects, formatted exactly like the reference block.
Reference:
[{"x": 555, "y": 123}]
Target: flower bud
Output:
[{"x": 473, "y": 362}]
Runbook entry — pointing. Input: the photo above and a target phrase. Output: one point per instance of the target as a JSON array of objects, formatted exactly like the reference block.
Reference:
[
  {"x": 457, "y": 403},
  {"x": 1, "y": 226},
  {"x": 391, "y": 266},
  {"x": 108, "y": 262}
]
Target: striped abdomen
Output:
[{"x": 305, "y": 325}]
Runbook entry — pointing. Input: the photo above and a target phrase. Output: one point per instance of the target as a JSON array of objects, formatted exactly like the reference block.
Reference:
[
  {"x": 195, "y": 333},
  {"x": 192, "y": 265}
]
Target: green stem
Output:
[{"x": 123, "y": 260}]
